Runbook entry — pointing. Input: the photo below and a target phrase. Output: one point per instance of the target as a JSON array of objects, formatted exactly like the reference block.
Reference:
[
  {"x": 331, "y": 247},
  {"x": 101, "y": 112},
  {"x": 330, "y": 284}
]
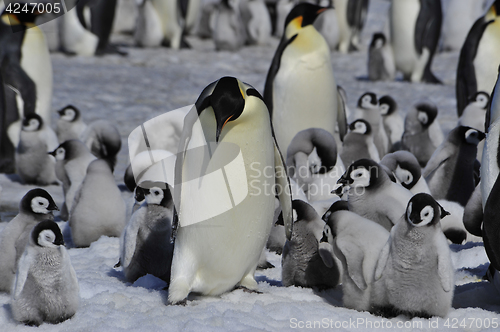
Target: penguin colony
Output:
[{"x": 370, "y": 199}]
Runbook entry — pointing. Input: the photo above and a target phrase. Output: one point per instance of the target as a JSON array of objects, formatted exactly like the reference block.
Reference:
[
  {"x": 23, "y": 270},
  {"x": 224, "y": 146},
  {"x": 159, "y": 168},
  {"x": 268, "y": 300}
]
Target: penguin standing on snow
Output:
[
  {"x": 380, "y": 59},
  {"x": 37, "y": 205},
  {"x": 227, "y": 137},
  {"x": 478, "y": 65},
  {"x": 301, "y": 75},
  {"x": 415, "y": 274},
  {"x": 46, "y": 288},
  {"x": 415, "y": 27}
]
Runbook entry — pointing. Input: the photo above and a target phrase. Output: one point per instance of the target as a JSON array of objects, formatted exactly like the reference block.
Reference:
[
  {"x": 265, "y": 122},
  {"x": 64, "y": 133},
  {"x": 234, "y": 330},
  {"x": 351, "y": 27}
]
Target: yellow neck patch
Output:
[
  {"x": 491, "y": 14},
  {"x": 10, "y": 19},
  {"x": 294, "y": 27}
]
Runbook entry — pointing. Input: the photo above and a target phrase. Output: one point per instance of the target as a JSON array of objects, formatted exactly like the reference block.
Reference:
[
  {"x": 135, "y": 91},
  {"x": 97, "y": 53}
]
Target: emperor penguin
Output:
[
  {"x": 98, "y": 208},
  {"x": 103, "y": 140},
  {"x": 406, "y": 169},
  {"x": 414, "y": 274},
  {"x": 415, "y": 26},
  {"x": 37, "y": 205},
  {"x": 257, "y": 21},
  {"x": 358, "y": 143},
  {"x": 171, "y": 21},
  {"x": 417, "y": 137},
  {"x": 229, "y": 31},
  {"x": 351, "y": 16},
  {"x": 33, "y": 163},
  {"x": 478, "y": 66},
  {"x": 125, "y": 17},
  {"x": 450, "y": 170},
  {"x": 301, "y": 75},
  {"x": 372, "y": 194},
  {"x": 357, "y": 242},
  {"x": 70, "y": 124},
  {"x": 302, "y": 265},
  {"x": 393, "y": 121},
  {"x": 313, "y": 162},
  {"x": 369, "y": 110},
  {"x": 458, "y": 18},
  {"x": 145, "y": 244},
  {"x": 381, "y": 65},
  {"x": 72, "y": 161},
  {"x": 474, "y": 115},
  {"x": 73, "y": 36},
  {"x": 220, "y": 232},
  {"x": 149, "y": 29},
  {"x": 46, "y": 288}
]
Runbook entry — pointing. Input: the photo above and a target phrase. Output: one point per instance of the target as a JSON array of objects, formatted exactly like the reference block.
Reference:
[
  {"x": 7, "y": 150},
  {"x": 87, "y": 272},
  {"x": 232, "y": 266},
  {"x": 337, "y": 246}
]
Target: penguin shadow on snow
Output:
[
  {"x": 481, "y": 294},
  {"x": 331, "y": 296}
]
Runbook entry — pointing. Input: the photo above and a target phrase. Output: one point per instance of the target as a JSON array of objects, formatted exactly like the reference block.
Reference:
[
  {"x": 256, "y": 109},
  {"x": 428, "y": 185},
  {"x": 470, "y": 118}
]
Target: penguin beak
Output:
[
  {"x": 53, "y": 153},
  {"x": 59, "y": 242},
  {"x": 52, "y": 207},
  {"x": 321, "y": 10},
  {"x": 219, "y": 129}
]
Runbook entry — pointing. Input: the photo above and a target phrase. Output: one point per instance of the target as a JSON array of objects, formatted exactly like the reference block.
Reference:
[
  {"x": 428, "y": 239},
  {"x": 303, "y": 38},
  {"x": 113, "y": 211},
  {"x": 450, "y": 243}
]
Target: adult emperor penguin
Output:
[
  {"x": 414, "y": 271},
  {"x": 450, "y": 171},
  {"x": 98, "y": 208},
  {"x": 301, "y": 75},
  {"x": 373, "y": 195},
  {"x": 351, "y": 16},
  {"x": 70, "y": 124},
  {"x": 478, "y": 66},
  {"x": 46, "y": 288},
  {"x": 145, "y": 244},
  {"x": 415, "y": 27},
  {"x": 227, "y": 144},
  {"x": 37, "y": 205},
  {"x": 381, "y": 65},
  {"x": 474, "y": 115},
  {"x": 33, "y": 163},
  {"x": 74, "y": 38},
  {"x": 458, "y": 18},
  {"x": 357, "y": 242},
  {"x": 393, "y": 122},
  {"x": 301, "y": 262},
  {"x": 72, "y": 161},
  {"x": 358, "y": 143}
]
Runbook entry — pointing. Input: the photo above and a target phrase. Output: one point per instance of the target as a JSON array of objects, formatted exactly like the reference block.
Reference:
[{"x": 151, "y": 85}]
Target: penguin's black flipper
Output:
[
  {"x": 466, "y": 83},
  {"x": 357, "y": 11},
  {"x": 183, "y": 6},
  {"x": 15, "y": 76},
  {"x": 429, "y": 22},
  {"x": 102, "y": 14},
  {"x": 491, "y": 226},
  {"x": 473, "y": 213}
]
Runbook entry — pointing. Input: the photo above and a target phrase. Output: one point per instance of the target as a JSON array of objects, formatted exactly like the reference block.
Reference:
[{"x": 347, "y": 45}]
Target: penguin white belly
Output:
[
  {"x": 149, "y": 30},
  {"x": 35, "y": 61},
  {"x": 344, "y": 30},
  {"x": 167, "y": 11},
  {"x": 487, "y": 68},
  {"x": 303, "y": 94},
  {"x": 404, "y": 15},
  {"x": 214, "y": 255},
  {"x": 489, "y": 164},
  {"x": 74, "y": 37}
]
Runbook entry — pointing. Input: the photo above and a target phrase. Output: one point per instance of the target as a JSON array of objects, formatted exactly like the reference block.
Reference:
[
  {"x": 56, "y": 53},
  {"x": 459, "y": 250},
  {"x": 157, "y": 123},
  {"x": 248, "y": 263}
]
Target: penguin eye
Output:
[{"x": 156, "y": 192}]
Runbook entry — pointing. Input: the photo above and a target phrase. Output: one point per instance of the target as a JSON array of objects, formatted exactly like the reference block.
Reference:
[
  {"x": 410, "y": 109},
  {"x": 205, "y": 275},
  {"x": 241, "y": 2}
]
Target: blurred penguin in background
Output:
[
  {"x": 229, "y": 32},
  {"x": 327, "y": 24},
  {"x": 257, "y": 21},
  {"x": 380, "y": 59},
  {"x": 351, "y": 16},
  {"x": 283, "y": 7},
  {"x": 125, "y": 17},
  {"x": 458, "y": 18}
]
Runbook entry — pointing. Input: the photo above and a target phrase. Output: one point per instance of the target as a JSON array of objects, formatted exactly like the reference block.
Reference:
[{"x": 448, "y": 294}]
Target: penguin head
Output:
[
  {"x": 423, "y": 210},
  {"x": 387, "y": 105},
  {"x": 368, "y": 101},
  {"x": 426, "y": 114},
  {"x": 308, "y": 217},
  {"x": 404, "y": 165},
  {"x": 361, "y": 126},
  {"x": 339, "y": 205},
  {"x": 69, "y": 150},
  {"x": 480, "y": 100},
  {"x": 300, "y": 16},
  {"x": 471, "y": 135},
  {"x": 378, "y": 40},
  {"x": 227, "y": 100},
  {"x": 32, "y": 122},
  {"x": 69, "y": 113},
  {"x": 38, "y": 201},
  {"x": 140, "y": 194},
  {"x": 364, "y": 173},
  {"x": 47, "y": 234},
  {"x": 156, "y": 193}
]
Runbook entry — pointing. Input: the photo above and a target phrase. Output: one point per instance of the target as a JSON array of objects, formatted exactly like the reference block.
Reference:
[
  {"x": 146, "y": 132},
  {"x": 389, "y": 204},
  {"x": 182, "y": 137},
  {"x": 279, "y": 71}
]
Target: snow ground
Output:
[{"x": 130, "y": 90}]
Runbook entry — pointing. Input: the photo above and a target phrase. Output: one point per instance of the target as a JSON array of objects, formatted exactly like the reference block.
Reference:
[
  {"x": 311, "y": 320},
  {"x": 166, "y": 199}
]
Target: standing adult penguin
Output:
[
  {"x": 380, "y": 59},
  {"x": 149, "y": 29},
  {"x": 223, "y": 198},
  {"x": 46, "y": 287},
  {"x": 257, "y": 21},
  {"x": 327, "y": 25},
  {"x": 300, "y": 76},
  {"x": 458, "y": 18},
  {"x": 415, "y": 27},
  {"x": 302, "y": 264},
  {"x": 415, "y": 274},
  {"x": 478, "y": 65},
  {"x": 74, "y": 38},
  {"x": 37, "y": 205},
  {"x": 351, "y": 16}
]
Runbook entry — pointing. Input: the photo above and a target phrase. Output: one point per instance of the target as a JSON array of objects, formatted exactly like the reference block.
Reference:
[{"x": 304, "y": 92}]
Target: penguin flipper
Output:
[
  {"x": 15, "y": 77},
  {"x": 354, "y": 257},
  {"x": 284, "y": 194},
  {"x": 429, "y": 23},
  {"x": 22, "y": 272},
  {"x": 443, "y": 266},
  {"x": 438, "y": 158},
  {"x": 491, "y": 226},
  {"x": 473, "y": 213},
  {"x": 130, "y": 236},
  {"x": 341, "y": 116},
  {"x": 383, "y": 258}
]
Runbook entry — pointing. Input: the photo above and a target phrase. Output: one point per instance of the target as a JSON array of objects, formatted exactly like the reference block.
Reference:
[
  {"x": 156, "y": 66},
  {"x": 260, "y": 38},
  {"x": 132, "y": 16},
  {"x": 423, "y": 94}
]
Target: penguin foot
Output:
[
  {"x": 117, "y": 264},
  {"x": 246, "y": 290},
  {"x": 185, "y": 44},
  {"x": 111, "y": 49}
]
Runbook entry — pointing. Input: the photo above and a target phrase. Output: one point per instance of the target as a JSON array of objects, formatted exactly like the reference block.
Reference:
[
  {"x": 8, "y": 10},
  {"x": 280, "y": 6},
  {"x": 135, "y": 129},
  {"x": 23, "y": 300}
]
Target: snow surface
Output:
[{"x": 131, "y": 90}]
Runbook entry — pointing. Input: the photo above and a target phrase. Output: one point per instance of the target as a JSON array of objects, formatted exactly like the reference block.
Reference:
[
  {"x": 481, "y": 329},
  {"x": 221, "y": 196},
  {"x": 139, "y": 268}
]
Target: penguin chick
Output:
[
  {"x": 70, "y": 124},
  {"x": 72, "y": 161},
  {"x": 357, "y": 242},
  {"x": 33, "y": 164},
  {"x": 393, "y": 122},
  {"x": 145, "y": 244},
  {"x": 46, "y": 287},
  {"x": 474, "y": 115},
  {"x": 373, "y": 195},
  {"x": 313, "y": 162},
  {"x": 103, "y": 140},
  {"x": 229, "y": 32},
  {"x": 381, "y": 65},
  {"x": 414, "y": 271},
  {"x": 450, "y": 171},
  {"x": 35, "y": 206},
  {"x": 358, "y": 143},
  {"x": 301, "y": 262},
  {"x": 257, "y": 21},
  {"x": 405, "y": 167},
  {"x": 98, "y": 208},
  {"x": 416, "y": 137}
]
